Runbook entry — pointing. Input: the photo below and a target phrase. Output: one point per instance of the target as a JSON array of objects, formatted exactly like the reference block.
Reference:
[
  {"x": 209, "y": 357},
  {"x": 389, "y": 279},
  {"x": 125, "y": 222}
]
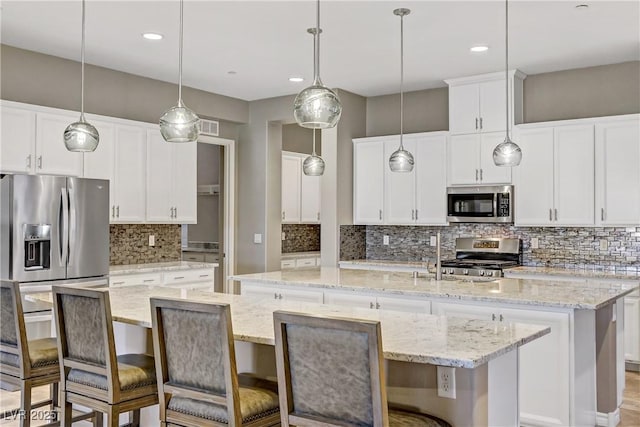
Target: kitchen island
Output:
[
  {"x": 485, "y": 357},
  {"x": 560, "y": 374}
]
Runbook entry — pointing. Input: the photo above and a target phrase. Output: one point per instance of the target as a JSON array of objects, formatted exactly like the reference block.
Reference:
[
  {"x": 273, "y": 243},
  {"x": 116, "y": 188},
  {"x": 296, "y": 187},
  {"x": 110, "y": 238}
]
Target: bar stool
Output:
[
  {"x": 196, "y": 369},
  {"x": 92, "y": 375},
  {"x": 330, "y": 373},
  {"x": 40, "y": 368}
]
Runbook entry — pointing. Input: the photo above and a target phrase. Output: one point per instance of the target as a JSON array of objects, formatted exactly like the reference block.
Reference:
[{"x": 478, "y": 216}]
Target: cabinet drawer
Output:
[
  {"x": 135, "y": 279},
  {"x": 211, "y": 258},
  {"x": 193, "y": 256},
  {"x": 184, "y": 276},
  {"x": 288, "y": 263},
  {"x": 306, "y": 262}
]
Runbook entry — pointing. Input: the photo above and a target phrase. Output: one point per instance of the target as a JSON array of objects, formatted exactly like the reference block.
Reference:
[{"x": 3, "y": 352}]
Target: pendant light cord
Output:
[
  {"x": 316, "y": 46},
  {"x": 314, "y": 143},
  {"x": 401, "y": 80},
  {"x": 82, "y": 67},
  {"x": 180, "y": 55},
  {"x": 506, "y": 62}
]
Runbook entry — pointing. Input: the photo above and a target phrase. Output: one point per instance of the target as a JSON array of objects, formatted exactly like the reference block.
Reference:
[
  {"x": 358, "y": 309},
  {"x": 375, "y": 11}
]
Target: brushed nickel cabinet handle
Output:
[
  {"x": 275, "y": 295},
  {"x": 204, "y": 275},
  {"x": 118, "y": 283},
  {"x": 602, "y": 214},
  {"x": 501, "y": 318},
  {"x": 118, "y": 211},
  {"x": 282, "y": 215},
  {"x": 378, "y": 305},
  {"x": 380, "y": 214},
  {"x": 480, "y": 122},
  {"x": 318, "y": 216},
  {"x": 493, "y": 316},
  {"x": 413, "y": 214},
  {"x": 416, "y": 214},
  {"x": 370, "y": 305},
  {"x": 476, "y": 123},
  {"x": 480, "y": 170},
  {"x": 39, "y": 162},
  {"x": 149, "y": 280},
  {"x": 279, "y": 296},
  {"x": 175, "y": 212},
  {"x": 178, "y": 277},
  {"x": 555, "y": 214},
  {"x": 113, "y": 211},
  {"x": 476, "y": 174},
  {"x": 550, "y": 215}
]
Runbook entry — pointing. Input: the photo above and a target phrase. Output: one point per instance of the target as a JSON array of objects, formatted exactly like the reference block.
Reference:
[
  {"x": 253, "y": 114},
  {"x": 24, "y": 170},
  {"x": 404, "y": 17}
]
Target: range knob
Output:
[
  {"x": 481, "y": 272},
  {"x": 490, "y": 273},
  {"x": 465, "y": 272},
  {"x": 451, "y": 271}
]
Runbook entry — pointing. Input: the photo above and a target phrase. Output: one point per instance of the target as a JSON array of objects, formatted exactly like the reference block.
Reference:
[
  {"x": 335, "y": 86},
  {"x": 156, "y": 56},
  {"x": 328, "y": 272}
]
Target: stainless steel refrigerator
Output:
[{"x": 53, "y": 228}]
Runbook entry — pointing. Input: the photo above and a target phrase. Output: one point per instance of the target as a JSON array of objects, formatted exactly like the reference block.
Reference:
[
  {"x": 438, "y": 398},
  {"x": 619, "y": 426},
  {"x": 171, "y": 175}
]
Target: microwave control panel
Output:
[{"x": 503, "y": 205}]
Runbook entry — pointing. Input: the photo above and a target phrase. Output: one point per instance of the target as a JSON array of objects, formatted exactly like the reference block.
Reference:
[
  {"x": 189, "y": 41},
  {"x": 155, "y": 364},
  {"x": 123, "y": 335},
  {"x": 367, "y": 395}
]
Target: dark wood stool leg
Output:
[
  {"x": 134, "y": 418},
  {"x": 113, "y": 417},
  {"x": 25, "y": 404},
  {"x": 55, "y": 396},
  {"x": 98, "y": 419},
  {"x": 65, "y": 413}
]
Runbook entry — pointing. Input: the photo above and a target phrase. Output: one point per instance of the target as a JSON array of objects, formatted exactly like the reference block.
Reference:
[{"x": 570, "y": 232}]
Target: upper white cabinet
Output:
[
  {"x": 368, "y": 180},
  {"x": 171, "y": 180},
  {"x": 33, "y": 142},
  {"x": 471, "y": 160},
  {"x": 477, "y": 103},
  {"x": 417, "y": 197},
  {"x": 554, "y": 184},
  {"x": 300, "y": 192},
  {"x": 618, "y": 172}
]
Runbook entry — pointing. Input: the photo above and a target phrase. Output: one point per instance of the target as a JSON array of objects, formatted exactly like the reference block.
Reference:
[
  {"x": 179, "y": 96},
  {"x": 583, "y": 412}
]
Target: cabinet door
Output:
[
  {"x": 544, "y": 367},
  {"x": 404, "y": 304},
  {"x": 431, "y": 180},
  {"x": 399, "y": 187},
  {"x": 310, "y": 199},
  {"x": 533, "y": 178},
  {"x": 464, "y": 159},
  {"x": 492, "y": 106},
  {"x": 159, "y": 177},
  {"x": 368, "y": 175},
  {"x": 129, "y": 183},
  {"x": 99, "y": 164},
  {"x": 632, "y": 329},
  {"x": 258, "y": 291},
  {"x": 465, "y": 311},
  {"x": 52, "y": 157},
  {"x": 291, "y": 170},
  {"x": 17, "y": 140},
  {"x": 464, "y": 106},
  {"x": 489, "y": 172},
  {"x": 618, "y": 173},
  {"x": 300, "y": 295},
  {"x": 574, "y": 175},
  {"x": 184, "y": 185},
  {"x": 349, "y": 299}
]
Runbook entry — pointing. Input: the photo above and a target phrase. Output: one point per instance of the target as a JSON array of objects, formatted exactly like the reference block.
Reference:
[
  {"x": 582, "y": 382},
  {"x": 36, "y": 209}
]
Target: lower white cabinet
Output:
[
  {"x": 545, "y": 390},
  {"x": 282, "y": 293},
  {"x": 188, "y": 278},
  {"x": 632, "y": 329},
  {"x": 135, "y": 279},
  {"x": 411, "y": 305}
]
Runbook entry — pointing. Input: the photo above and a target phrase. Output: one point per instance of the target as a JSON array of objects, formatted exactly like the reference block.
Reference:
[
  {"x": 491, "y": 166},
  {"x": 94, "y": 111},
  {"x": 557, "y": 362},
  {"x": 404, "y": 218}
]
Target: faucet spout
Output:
[{"x": 438, "y": 258}]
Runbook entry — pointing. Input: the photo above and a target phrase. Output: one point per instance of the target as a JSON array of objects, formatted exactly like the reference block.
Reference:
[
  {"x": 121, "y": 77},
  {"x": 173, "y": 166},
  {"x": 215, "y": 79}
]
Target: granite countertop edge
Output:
[
  {"x": 579, "y": 272},
  {"x": 121, "y": 270}
]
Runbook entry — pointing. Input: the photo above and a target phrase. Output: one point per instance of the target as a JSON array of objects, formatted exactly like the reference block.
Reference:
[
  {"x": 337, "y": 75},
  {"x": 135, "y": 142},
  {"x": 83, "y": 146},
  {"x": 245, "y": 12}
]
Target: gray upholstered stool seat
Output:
[
  {"x": 255, "y": 403},
  {"x": 42, "y": 352},
  {"x": 134, "y": 370},
  {"x": 411, "y": 419}
]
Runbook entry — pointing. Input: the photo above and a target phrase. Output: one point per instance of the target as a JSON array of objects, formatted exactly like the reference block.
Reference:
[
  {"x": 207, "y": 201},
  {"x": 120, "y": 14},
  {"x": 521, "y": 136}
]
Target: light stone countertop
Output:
[
  {"x": 296, "y": 255},
  {"x": 408, "y": 337},
  {"x": 580, "y": 272},
  {"x": 545, "y": 293},
  {"x": 387, "y": 263},
  {"x": 116, "y": 270}
]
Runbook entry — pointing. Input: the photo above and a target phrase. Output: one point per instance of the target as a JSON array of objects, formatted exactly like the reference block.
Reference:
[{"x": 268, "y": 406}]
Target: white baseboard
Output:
[{"x": 611, "y": 419}]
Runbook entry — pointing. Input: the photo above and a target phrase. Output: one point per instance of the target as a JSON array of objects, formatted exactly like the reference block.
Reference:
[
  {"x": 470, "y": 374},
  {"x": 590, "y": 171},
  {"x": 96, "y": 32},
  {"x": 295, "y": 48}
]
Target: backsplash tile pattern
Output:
[
  {"x": 301, "y": 238},
  {"x": 571, "y": 247},
  {"x": 129, "y": 243},
  {"x": 353, "y": 242}
]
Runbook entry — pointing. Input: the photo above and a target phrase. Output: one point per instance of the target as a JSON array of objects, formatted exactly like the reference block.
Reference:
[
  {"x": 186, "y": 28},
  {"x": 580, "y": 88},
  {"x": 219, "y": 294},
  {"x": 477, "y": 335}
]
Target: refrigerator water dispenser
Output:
[{"x": 37, "y": 246}]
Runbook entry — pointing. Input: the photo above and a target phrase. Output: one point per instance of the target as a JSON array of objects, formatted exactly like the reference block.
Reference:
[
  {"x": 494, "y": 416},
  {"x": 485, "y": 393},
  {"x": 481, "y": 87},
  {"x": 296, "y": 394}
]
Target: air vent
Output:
[{"x": 209, "y": 127}]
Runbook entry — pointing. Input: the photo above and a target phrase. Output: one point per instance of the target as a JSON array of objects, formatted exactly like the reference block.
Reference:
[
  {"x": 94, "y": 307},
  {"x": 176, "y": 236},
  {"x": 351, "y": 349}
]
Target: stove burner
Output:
[{"x": 474, "y": 259}]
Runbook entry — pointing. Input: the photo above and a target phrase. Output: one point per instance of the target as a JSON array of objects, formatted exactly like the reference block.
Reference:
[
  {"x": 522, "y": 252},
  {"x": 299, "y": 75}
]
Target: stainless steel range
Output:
[{"x": 485, "y": 257}]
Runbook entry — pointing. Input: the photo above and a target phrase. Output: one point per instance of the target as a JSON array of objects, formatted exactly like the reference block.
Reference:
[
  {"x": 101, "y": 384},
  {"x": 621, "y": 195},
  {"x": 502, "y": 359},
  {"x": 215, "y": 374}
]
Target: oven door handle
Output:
[{"x": 495, "y": 205}]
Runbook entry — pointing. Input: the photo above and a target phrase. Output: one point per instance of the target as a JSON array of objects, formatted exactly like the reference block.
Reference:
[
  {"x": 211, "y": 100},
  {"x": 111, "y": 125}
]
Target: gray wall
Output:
[
  {"x": 606, "y": 90},
  {"x": 35, "y": 78},
  {"x": 300, "y": 140}
]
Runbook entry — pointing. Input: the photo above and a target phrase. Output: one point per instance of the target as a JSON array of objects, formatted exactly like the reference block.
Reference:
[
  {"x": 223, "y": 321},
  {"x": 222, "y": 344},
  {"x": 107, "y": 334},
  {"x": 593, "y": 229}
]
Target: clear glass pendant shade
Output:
[
  {"x": 401, "y": 161},
  {"x": 179, "y": 124},
  {"x": 313, "y": 165},
  {"x": 317, "y": 107},
  {"x": 507, "y": 153},
  {"x": 81, "y": 137}
]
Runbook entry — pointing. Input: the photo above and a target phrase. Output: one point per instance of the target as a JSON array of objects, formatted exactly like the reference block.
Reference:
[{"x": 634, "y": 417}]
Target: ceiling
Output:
[{"x": 265, "y": 42}]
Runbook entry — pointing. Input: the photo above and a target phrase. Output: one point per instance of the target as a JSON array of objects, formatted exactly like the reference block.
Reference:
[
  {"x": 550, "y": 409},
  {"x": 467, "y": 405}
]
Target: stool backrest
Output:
[
  {"x": 13, "y": 333},
  {"x": 195, "y": 355},
  {"x": 85, "y": 334},
  {"x": 330, "y": 371}
]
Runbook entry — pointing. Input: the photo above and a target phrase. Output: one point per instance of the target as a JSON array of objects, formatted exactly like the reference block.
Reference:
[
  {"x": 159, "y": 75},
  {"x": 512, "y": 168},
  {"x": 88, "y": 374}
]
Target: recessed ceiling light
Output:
[
  {"x": 152, "y": 36},
  {"x": 296, "y": 79},
  {"x": 479, "y": 48},
  {"x": 582, "y": 7}
]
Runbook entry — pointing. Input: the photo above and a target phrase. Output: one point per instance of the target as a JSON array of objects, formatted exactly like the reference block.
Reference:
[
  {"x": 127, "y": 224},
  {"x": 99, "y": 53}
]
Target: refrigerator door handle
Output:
[
  {"x": 63, "y": 222},
  {"x": 73, "y": 220}
]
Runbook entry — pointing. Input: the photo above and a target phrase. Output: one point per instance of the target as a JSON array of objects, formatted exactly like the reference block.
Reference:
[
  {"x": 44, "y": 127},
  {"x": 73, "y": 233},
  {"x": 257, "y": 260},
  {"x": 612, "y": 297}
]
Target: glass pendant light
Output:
[
  {"x": 81, "y": 136},
  {"x": 507, "y": 153},
  {"x": 317, "y": 107},
  {"x": 401, "y": 160},
  {"x": 313, "y": 165},
  {"x": 179, "y": 123}
]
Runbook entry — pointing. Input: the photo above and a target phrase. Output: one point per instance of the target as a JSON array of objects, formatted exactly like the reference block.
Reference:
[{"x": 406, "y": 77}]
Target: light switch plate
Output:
[
  {"x": 433, "y": 241},
  {"x": 385, "y": 240},
  {"x": 257, "y": 238},
  {"x": 535, "y": 244},
  {"x": 152, "y": 240},
  {"x": 284, "y": 236}
]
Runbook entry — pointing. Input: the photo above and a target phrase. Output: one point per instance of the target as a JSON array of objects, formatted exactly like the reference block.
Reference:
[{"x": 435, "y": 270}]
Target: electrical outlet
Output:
[
  {"x": 433, "y": 241},
  {"x": 535, "y": 244},
  {"x": 152, "y": 240},
  {"x": 604, "y": 245},
  {"x": 257, "y": 238},
  {"x": 385, "y": 240},
  {"x": 284, "y": 236},
  {"x": 446, "y": 382}
]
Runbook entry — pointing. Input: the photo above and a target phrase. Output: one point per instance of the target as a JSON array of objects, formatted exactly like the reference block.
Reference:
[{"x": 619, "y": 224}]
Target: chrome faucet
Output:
[{"x": 438, "y": 260}]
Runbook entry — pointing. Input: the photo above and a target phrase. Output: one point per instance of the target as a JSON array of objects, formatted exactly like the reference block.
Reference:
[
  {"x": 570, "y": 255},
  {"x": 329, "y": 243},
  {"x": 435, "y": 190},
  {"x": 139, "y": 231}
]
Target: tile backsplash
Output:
[
  {"x": 607, "y": 248},
  {"x": 129, "y": 243},
  {"x": 301, "y": 238}
]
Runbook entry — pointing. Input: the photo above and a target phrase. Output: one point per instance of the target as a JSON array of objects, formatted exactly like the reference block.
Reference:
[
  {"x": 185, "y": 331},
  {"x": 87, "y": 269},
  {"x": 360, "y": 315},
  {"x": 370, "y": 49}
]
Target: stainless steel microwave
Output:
[{"x": 487, "y": 203}]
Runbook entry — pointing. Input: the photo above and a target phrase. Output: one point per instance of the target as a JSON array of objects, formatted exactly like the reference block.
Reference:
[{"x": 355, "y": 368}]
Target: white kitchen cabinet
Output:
[
  {"x": 18, "y": 140},
  {"x": 410, "y": 305},
  {"x": 368, "y": 181},
  {"x": 399, "y": 188},
  {"x": 291, "y": 172},
  {"x": 310, "y": 190},
  {"x": 355, "y": 300},
  {"x": 632, "y": 329},
  {"x": 617, "y": 172},
  {"x": 470, "y": 160},
  {"x": 431, "y": 179},
  {"x": 171, "y": 180},
  {"x": 555, "y": 181},
  {"x": 281, "y": 293},
  {"x": 123, "y": 280},
  {"x": 477, "y": 103},
  {"x": 544, "y": 385},
  {"x": 52, "y": 157}
]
